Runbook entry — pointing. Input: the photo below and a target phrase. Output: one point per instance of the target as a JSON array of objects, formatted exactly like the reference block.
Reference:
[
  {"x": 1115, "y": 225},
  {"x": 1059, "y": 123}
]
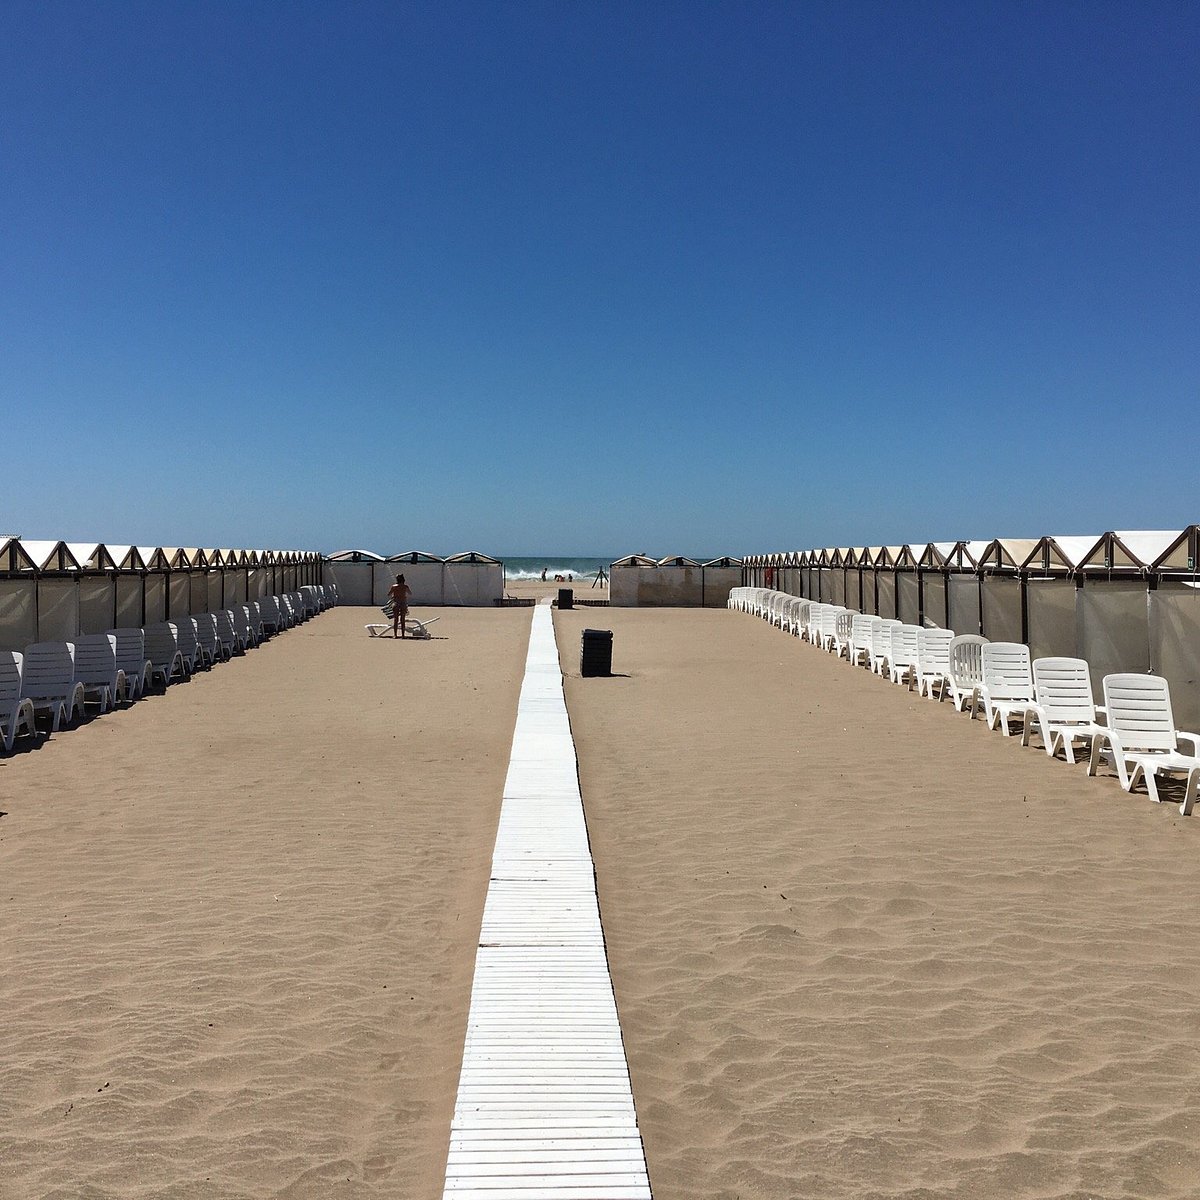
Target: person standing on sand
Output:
[{"x": 398, "y": 594}]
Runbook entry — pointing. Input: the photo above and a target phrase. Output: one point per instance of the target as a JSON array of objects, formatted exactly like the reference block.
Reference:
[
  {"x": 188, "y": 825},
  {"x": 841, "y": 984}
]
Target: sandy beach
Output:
[{"x": 861, "y": 946}]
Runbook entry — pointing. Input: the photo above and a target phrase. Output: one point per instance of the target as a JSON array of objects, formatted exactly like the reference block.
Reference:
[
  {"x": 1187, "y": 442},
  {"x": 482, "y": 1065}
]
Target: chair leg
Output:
[
  {"x": 1189, "y": 794},
  {"x": 1151, "y": 783}
]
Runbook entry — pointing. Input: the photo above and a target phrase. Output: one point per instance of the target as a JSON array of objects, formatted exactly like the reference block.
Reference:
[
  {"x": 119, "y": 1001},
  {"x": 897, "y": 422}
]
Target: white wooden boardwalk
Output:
[{"x": 544, "y": 1108}]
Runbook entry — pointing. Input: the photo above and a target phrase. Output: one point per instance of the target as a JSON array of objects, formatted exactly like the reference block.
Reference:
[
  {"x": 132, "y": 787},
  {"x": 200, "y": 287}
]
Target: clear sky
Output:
[{"x": 570, "y": 277}]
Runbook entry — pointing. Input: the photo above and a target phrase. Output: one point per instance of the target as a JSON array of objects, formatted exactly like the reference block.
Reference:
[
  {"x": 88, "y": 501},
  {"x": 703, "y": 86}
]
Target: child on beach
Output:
[{"x": 399, "y": 593}]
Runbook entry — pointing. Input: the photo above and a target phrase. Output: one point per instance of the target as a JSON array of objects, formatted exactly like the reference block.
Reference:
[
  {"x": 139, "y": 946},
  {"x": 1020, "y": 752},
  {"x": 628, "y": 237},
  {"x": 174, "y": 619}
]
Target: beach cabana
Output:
[
  {"x": 425, "y": 573},
  {"x": 353, "y": 573},
  {"x": 473, "y": 579}
]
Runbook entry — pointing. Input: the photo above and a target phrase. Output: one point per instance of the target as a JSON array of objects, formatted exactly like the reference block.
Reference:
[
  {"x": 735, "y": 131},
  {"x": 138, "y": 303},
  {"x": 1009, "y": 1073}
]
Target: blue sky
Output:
[{"x": 554, "y": 278}]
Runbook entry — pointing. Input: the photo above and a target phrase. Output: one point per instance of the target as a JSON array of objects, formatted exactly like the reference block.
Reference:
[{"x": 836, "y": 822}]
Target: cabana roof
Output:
[
  {"x": 355, "y": 556},
  {"x": 726, "y": 561},
  {"x": 677, "y": 560},
  {"x": 635, "y": 560},
  {"x": 92, "y": 556},
  {"x": 472, "y": 556},
  {"x": 1006, "y": 554},
  {"x": 14, "y": 557},
  {"x": 415, "y": 556},
  {"x": 50, "y": 556}
]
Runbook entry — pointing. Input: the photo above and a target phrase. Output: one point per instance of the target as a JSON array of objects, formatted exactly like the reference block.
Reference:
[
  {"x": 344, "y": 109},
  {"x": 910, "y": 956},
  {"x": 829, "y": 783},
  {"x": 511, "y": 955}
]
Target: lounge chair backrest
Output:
[
  {"x": 800, "y": 618},
  {"x": 48, "y": 669},
  {"x": 206, "y": 633},
  {"x": 250, "y": 615},
  {"x": 966, "y": 659},
  {"x": 860, "y": 628},
  {"x": 131, "y": 649},
  {"x": 813, "y": 625},
  {"x": 10, "y": 677},
  {"x": 225, "y": 630},
  {"x": 845, "y": 621},
  {"x": 881, "y": 637},
  {"x": 829, "y": 619},
  {"x": 935, "y": 650},
  {"x": 906, "y": 646},
  {"x": 1139, "y": 711},
  {"x": 1063, "y": 687},
  {"x": 1006, "y": 671},
  {"x": 96, "y": 659},
  {"x": 185, "y": 631},
  {"x": 162, "y": 643}
]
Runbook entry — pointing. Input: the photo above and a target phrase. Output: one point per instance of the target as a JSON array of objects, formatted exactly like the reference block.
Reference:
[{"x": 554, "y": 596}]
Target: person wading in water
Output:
[{"x": 399, "y": 593}]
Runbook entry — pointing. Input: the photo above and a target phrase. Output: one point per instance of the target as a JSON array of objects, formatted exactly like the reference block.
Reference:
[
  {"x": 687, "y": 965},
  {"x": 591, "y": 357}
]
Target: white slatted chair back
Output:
[
  {"x": 271, "y": 612},
  {"x": 16, "y": 714},
  {"x": 1063, "y": 689},
  {"x": 813, "y": 625},
  {"x": 800, "y": 616},
  {"x": 966, "y": 670},
  {"x": 828, "y": 632},
  {"x": 862, "y": 628},
  {"x": 132, "y": 658},
  {"x": 253, "y": 617},
  {"x": 905, "y": 653},
  {"x": 933, "y": 666},
  {"x": 297, "y": 603},
  {"x": 227, "y": 635},
  {"x": 206, "y": 636},
  {"x": 1006, "y": 671},
  {"x": 189, "y": 642},
  {"x": 162, "y": 649},
  {"x": 96, "y": 668},
  {"x": 775, "y": 611},
  {"x": 1139, "y": 711},
  {"x": 842, "y": 628},
  {"x": 881, "y": 642},
  {"x": 48, "y": 680}
]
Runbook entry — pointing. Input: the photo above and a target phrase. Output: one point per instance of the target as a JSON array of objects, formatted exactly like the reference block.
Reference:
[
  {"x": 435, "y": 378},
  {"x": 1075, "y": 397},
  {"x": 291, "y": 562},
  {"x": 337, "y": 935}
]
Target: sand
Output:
[
  {"x": 861, "y": 946},
  {"x": 240, "y": 919}
]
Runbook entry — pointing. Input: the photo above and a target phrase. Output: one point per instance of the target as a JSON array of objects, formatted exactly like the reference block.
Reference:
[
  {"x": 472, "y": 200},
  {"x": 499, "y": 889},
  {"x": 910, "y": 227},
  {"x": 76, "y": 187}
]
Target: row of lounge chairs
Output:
[
  {"x": 1134, "y": 729},
  {"x": 55, "y": 681}
]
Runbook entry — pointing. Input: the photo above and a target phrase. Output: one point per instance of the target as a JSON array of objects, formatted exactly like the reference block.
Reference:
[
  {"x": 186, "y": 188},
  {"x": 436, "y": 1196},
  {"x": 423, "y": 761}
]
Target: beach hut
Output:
[
  {"x": 624, "y": 579},
  {"x": 473, "y": 579},
  {"x": 1051, "y": 581},
  {"x": 718, "y": 577},
  {"x": 353, "y": 573},
  {"x": 1001, "y": 588},
  {"x": 425, "y": 573}
]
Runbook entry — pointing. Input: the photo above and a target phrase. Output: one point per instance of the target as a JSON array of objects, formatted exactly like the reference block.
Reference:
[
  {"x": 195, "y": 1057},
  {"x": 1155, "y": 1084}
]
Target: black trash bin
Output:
[
  {"x": 566, "y": 597},
  {"x": 595, "y": 656}
]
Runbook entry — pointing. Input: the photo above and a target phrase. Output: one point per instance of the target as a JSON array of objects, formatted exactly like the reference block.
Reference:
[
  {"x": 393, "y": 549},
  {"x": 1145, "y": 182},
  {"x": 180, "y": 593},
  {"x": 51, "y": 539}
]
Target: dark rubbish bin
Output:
[
  {"x": 566, "y": 597},
  {"x": 595, "y": 656}
]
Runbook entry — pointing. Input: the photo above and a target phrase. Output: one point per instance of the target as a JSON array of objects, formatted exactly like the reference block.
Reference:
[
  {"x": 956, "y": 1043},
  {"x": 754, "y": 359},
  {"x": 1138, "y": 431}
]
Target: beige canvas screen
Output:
[
  {"x": 129, "y": 602},
  {"x": 908, "y": 597},
  {"x": 933, "y": 600},
  {"x": 887, "y": 595},
  {"x": 18, "y": 621},
  {"x": 1113, "y": 627},
  {"x": 962, "y": 601},
  {"x": 156, "y": 598},
  {"x": 97, "y": 603},
  {"x": 1002, "y": 609},
  {"x": 1175, "y": 648},
  {"x": 1052, "y": 625},
  {"x": 57, "y": 610}
]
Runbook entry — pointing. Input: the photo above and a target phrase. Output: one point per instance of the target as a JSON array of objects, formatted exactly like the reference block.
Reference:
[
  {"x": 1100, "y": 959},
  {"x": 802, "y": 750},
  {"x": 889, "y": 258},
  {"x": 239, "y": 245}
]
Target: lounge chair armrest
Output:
[
  {"x": 1183, "y": 736},
  {"x": 1100, "y": 709}
]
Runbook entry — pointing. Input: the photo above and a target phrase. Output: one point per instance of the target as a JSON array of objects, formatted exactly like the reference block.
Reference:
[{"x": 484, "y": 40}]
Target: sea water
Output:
[{"x": 582, "y": 566}]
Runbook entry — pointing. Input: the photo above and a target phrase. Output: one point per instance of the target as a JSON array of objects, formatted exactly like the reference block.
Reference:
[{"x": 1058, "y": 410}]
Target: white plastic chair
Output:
[
  {"x": 48, "y": 681},
  {"x": 1007, "y": 689},
  {"x": 188, "y": 638},
  {"x": 1063, "y": 708},
  {"x": 905, "y": 654},
  {"x": 827, "y": 637},
  {"x": 16, "y": 712},
  {"x": 227, "y": 636},
  {"x": 1141, "y": 738},
  {"x": 96, "y": 668},
  {"x": 812, "y": 627},
  {"x": 162, "y": 651},
  {"x": 132, "y": 660},
  {"x": 965, "y": 676},
  {"x": 862, "y": 628},
  {"x": 271, "y": 615},
  {"x": 841, "y": 631},
  {"x": 933, "y": 665},
  {"x": 881, "y": 643},
  {"x": 245, "y": 621}
]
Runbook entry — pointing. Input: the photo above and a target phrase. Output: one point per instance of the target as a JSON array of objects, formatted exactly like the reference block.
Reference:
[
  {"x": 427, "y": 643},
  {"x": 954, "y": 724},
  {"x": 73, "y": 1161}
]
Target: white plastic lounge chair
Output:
[
  {"x": 881, "y": 643},
  {"x": 812, "y": 627},
  {"x": 1007, "y": 689},
  {"x": 933, "y": 667},
  {"x": 295, "y": 603},
  {"x": 208, "y": 644},
  {"x": 16, "y": 712},
  {"x": 1141, "y": 738},
  {"x": 965, "y": 676},
  {"x": 132, "y": 660},
  {"x": 48, "y": 680},
  {"x": 227, "y": 636},
  {"x": 1063, "y": 709},
  {"x": 800, "y": 616},
  {"x": 162, "y": 649},
  {"x": 829, "y": 620},
  {"x": 859, "y": 647},
  {"x": 270, "y": 613},
  {"x": 96, "y": 668},
  {"x": 841, "y": 632},
  {"x": 189, "y": 643},
  {"x": 308, "y": 597},
  {"x": 415, "y": 626},
  {"x": 248, "y": 623},
  {"x": 905, "y": 654}
]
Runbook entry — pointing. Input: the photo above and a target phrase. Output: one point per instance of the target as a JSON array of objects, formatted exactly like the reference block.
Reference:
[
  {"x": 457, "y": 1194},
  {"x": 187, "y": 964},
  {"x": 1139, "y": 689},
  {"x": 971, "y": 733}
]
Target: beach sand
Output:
[
  {"x": 861, "y": 946},
  {"x": 240, "y": 920}
]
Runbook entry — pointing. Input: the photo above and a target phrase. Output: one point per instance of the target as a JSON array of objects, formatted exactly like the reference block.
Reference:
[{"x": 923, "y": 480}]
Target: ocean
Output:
[{"x": 582, "y": 566}]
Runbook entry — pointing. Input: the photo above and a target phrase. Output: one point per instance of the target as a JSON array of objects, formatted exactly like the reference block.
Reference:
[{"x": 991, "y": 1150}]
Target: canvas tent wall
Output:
[
  {"x": 352, "y": 572},
  {"x": 473, "y": 579},
  {"x": 424, "y": 573},
  {"x": 637, "y": 581}
]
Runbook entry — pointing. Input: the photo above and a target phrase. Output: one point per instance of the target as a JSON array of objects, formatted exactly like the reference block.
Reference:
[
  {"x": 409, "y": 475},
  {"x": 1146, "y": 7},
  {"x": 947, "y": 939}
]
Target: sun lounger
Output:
[
  {"x": 227, "y": 636},
  {"x": 905, "y": 654},
  {"x": 162, "y": 649},
  {"x": 841, "y": 632},
  {"x": 208, "y": 645},
  {"x": 415, "y": 627},
  {"x": 965, "y": 676},
  {"x": 16, "y": 712},
  {"x": 1141, "y": 738},
  {"x": 1007, "y": 689},
  {"x": 48, "y": 681},
  {"x": 188, "y": 640},
  {"x": 1063, "y": 708},
  {"x": 96, "y": 668},
  {"x": 132, "y": 660},
  {"x": 933, "y": 666},
  {"x": 858, "y": 649},
  {"x": 881, "y": 644}
]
